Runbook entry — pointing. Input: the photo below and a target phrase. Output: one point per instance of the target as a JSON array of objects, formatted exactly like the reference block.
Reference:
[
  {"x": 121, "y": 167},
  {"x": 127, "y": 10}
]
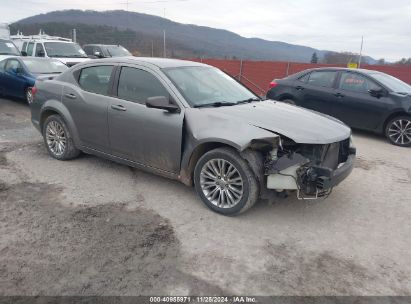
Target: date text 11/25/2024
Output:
[{"x": 203, "y": 299}]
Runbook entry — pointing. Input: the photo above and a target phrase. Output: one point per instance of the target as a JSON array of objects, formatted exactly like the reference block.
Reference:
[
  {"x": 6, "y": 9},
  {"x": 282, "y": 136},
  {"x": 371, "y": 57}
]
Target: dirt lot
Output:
[{"x": 93, "y": 227}]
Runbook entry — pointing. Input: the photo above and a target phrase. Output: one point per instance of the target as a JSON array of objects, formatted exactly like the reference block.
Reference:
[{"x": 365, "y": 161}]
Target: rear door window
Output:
[
  {"x": 96, "y": 79},
  {"x": 356, "y": 83},
  {"x": 322, "y": 78},
  {"x": 30, "y": 47},
  {"x": 137, "y": 85}
]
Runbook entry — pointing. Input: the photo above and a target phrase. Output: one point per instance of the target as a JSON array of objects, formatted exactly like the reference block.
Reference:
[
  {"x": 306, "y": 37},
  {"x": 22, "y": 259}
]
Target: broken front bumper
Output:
[
  {"x": 328, "y": 178},
  {"x": 310, "y": 181}
]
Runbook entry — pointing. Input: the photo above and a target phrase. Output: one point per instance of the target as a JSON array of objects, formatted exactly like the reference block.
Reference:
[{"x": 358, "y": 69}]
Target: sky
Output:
[{"x": 323, "y": 24}]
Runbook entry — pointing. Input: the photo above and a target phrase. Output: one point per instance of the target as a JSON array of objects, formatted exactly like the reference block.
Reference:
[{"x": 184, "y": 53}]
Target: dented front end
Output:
[{"x": 312, "y": 170}]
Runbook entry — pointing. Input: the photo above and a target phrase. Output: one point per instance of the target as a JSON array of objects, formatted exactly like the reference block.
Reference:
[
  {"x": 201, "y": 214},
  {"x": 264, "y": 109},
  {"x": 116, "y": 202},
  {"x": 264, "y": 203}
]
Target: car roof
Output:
[
  {"x": 49, "y": 40},
  {"x": 96, "y": 44},
  {"x": 365, "y": 71},
  {"x": 158, "y": 62}
]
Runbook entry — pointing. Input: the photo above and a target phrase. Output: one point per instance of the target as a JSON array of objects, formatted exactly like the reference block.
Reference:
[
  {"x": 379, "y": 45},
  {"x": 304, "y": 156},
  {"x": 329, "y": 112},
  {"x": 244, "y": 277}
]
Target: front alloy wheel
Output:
[
  {"x": 221, "y": 183},
  {"x": 398, "y": 131},
  {"x": 225, "y": 182}
]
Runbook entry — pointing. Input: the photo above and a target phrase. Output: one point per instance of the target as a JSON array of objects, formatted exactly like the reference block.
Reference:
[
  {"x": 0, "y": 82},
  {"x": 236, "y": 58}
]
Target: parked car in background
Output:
[
  {"x": 363, "y": 99},
  {"x": 18, "y": 74},
  {"x": 105, "y": 51},
  {"x": 62, "y": 49},
  {"x": 192, "y": 122},
  {"x": 8, "y": 49}
]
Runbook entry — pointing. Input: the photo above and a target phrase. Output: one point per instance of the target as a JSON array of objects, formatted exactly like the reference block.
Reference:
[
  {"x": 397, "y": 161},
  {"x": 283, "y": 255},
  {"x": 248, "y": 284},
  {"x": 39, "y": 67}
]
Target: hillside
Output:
[
  {"x": 182, "y": 39},
  {"x": 198, "y": 40}
]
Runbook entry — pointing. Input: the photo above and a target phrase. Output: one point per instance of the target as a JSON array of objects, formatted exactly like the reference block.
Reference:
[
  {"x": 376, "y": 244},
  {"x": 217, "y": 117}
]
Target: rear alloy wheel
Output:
[
  {"x": 398, "y": 131},
  {"x": 29, "y": 95},
  {"x": 224, "y": 182},
  {"x": 58, "y": 140}
]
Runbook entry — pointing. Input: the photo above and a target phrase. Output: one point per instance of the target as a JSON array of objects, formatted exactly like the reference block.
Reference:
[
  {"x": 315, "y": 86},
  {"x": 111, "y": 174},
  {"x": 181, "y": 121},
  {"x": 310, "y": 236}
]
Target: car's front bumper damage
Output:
[{"x": 310, "y": 170}]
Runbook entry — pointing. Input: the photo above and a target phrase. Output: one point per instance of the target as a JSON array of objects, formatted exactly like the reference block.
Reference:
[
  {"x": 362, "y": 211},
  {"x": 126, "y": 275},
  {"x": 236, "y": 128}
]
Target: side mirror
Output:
[
  {"x": 19, "y": 71},
  {"x": 23, "y": 53},
  {"x": 163, "y": 103},
  {"x": 98, "y": 54},
  {"x": 377, "y": 92},
  {"x": 41, "y": 54}
]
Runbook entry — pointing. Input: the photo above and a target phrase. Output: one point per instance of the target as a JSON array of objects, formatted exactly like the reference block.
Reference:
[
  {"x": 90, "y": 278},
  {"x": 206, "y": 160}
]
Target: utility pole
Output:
[
  {"x": 164, "y": 51},
  {"x": 164, "y": 40},
  {"x": 152, "y": 48},
  {"x": 359, "y": 59},
  {"x": 74, "y": 35}
]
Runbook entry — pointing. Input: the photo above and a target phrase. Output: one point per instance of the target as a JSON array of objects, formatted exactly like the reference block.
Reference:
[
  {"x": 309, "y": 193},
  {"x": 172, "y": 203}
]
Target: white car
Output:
[
  {"x": 43, "y": 45},
  {"x": 64, "y": 50}
]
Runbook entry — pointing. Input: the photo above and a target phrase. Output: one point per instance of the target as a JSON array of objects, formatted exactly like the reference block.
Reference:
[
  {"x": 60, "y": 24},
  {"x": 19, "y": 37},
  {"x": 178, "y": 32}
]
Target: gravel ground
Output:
[{"x": 93, "y": 227}]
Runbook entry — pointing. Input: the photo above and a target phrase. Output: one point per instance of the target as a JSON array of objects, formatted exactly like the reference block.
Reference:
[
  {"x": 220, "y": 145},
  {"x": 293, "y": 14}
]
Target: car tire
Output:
[
  {"x": 288, "y": 101},
  {"x": 58, "y": 139},
  {"x": 225, "y": 182},
  {"x": 29, "y": 95},
  {"x": 398, "y": 131}
]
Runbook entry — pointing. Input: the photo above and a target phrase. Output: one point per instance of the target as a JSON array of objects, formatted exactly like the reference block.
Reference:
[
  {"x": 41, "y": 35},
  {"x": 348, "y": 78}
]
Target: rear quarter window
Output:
[
  {"x": 96, "y": 79},
  {"x": 304, "y": 78}
]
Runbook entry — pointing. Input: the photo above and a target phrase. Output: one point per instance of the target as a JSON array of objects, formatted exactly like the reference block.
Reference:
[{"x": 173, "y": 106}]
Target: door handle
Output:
[
  {"x": 300, "y": 88},
  {"x": 339, "y": 95},
  {"x": 118, "y": 108},
  {"x": 71, "y": 96}
]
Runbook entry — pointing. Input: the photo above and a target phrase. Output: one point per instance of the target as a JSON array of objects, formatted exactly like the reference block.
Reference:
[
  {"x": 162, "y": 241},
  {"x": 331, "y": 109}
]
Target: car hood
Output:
[
  {"x": 2, "y": 57},
  {"x": 70, "y": 61},
  {"x": 301, "y": 125}
]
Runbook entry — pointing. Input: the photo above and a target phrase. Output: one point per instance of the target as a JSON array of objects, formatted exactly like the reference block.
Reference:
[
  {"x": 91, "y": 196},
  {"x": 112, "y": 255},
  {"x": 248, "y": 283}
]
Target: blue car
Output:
[{"x": 18, "y": 74}]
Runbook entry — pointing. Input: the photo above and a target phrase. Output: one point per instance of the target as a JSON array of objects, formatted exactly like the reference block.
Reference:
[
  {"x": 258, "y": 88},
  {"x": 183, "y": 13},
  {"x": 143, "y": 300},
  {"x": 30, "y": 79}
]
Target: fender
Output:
[
  {"x": 60, "y": 108},
  {"x": 200, "y": 137},
  {"x": 393, "y": 113}
]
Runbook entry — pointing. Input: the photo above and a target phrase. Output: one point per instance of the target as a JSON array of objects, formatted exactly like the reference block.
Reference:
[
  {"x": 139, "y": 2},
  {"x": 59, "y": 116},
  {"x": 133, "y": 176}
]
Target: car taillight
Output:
[
  {"x": 273, "y": 84},
  {"x": 34, "y": 91}
]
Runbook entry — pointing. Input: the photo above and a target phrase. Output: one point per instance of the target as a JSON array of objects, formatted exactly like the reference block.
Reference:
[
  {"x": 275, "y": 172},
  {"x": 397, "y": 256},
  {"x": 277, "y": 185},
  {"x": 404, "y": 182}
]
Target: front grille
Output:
[{"x": 329, "y": 156}]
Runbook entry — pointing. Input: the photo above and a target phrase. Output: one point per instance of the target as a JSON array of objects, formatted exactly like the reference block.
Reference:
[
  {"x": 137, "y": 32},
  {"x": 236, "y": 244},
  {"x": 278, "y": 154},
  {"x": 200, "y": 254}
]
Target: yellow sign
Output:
[{"x": 352, "y": 65}]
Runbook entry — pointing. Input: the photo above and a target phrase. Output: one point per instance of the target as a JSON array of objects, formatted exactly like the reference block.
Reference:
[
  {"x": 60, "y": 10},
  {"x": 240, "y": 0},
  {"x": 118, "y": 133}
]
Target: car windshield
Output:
[
  {"x": 392, "y": 83},
  {"x": 64, "y": 49},
  {"x": 44, "y": 66},
  {"x": 203, "y": 86},
  {"x": 117, "y": 51},
  {"x": 8, "y": 48}
]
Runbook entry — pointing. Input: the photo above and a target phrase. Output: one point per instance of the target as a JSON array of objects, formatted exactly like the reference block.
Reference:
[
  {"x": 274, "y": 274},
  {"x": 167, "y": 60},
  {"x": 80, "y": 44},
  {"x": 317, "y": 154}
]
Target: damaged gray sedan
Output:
[{"x": 192, "y": 122}]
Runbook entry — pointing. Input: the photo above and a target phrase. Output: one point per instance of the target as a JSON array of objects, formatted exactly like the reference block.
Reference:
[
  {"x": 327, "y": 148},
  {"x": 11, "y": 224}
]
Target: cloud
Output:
[{"x": 323, "y": 24}]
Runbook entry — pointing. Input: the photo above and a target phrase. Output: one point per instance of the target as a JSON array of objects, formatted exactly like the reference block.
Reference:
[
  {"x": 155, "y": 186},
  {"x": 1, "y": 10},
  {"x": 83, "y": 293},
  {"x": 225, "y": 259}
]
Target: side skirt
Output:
[{"x": 130, "y": 163}]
